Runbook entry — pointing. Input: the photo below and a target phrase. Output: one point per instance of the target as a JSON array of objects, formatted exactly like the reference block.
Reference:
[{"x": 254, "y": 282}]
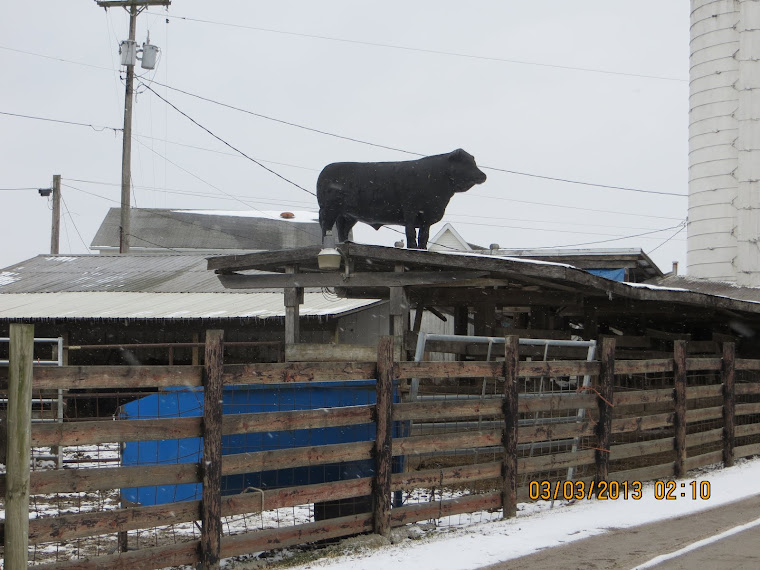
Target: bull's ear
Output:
[{"x": 457, "y": 154}]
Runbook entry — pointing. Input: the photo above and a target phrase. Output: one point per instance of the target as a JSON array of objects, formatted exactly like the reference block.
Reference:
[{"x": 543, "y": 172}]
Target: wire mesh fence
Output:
[{"x": 296, "y": 454}]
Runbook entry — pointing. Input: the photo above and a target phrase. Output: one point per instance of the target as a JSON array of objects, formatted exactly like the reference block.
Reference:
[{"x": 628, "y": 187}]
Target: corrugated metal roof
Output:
[
  {"x": 153, "y": 228},
  {"x": 143, "y": 273},
  {"x": 128, "y": 305},
  {"x": 141, "y": 286},
  {"x": 710, "y": 287}
]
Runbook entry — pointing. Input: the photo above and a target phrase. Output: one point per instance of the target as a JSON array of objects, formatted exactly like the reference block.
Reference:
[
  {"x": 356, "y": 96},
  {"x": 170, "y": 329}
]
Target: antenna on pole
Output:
[{"x": 128, "y": 51}]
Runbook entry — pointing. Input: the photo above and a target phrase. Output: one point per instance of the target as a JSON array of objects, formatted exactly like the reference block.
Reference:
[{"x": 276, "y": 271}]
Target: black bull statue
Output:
[{"x": 412, "y": 193}]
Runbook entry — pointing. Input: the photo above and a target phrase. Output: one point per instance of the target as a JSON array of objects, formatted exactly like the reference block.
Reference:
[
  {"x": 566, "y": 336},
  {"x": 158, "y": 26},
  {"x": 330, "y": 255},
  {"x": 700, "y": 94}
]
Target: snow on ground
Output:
[{"x": 537, "y": 526}]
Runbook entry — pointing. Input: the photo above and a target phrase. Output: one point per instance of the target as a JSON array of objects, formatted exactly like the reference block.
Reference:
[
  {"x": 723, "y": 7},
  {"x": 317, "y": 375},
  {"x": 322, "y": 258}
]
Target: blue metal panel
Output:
[{"x": 184, "y": 402}]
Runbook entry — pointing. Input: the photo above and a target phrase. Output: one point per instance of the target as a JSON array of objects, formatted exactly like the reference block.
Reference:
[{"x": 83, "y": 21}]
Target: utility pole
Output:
[
  {"x": 126, "y": 149},
  {"x": 134, "y": 7},
  {"x": 56, "y": 229}
]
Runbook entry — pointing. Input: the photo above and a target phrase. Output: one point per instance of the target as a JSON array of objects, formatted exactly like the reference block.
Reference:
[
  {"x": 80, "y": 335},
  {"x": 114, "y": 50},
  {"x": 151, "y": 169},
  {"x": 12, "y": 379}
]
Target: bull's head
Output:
[{"x": 463, "y": 171}]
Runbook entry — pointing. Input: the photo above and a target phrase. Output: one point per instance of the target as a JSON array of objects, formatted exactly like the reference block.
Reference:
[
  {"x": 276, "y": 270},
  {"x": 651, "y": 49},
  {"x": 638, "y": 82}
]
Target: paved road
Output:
[
  {"x": 738, "y": 551},
  {"x": 627, "y": 548}
]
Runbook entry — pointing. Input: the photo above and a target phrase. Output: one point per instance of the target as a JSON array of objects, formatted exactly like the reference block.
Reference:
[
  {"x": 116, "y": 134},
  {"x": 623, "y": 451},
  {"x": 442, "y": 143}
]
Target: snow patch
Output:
[
  {"x": 537, "y": 526},
  {"x": 61, "y": 258},
  {"x": 8, "y": 277},
  {"x": 660, "y": 288}
]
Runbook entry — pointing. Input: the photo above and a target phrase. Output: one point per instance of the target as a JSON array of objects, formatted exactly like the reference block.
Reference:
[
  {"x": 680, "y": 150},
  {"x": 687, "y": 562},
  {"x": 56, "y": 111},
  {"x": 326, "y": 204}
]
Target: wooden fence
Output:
[{"x": 699, "y": 415}]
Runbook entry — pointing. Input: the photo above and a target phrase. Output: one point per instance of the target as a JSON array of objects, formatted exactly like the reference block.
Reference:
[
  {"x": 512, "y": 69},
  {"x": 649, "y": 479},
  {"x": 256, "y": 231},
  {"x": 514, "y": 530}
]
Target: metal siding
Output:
[{"x": 364, "y": 327}]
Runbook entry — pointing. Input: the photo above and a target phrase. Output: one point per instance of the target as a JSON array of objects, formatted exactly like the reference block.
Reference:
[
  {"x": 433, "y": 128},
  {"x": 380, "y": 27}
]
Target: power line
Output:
[
  {"x": 682, "y": 228},
  {"x": 397, "y": 149},
  {"x": 233, "y": 197},
  {"x": 236, "y": 155},
  {"x": 148, "y": 87},
  {"x": 217, "y": 188},
  {"x": 158, "y": 245},
  {"x": 284, "y": 122},
  {"x": 233, "y": 234},
  {"x": 229, "y": 196},
  {"x": 97, "y": 128},
  {"x": 545, "y": 221},
  {"x": 237, "y": 198},
  {"x": 247, "y": 204},
  {"x": 568, "y": 181},
  {"x": 350, "y": 139},
  {"x": 398, "y": 231},
  {"x": 607, "y": 240},
  {"x": 564, "y": 206},
  {"x": 430, "y": 51},
  {"x": 158, "y": 213},
  {"x": 65, "y": 205},
  {"x": 57, "y": 59},
  {"x": 535, "y": 229}
]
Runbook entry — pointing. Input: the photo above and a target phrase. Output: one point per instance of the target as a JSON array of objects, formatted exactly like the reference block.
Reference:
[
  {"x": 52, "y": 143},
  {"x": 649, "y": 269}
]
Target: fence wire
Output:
[{"x": 83, "y": 407}]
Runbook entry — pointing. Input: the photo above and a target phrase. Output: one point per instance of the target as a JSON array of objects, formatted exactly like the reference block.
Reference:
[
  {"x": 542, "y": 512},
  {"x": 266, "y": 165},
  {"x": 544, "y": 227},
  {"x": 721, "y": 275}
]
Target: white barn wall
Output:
[{"x": 365, "y": 327}]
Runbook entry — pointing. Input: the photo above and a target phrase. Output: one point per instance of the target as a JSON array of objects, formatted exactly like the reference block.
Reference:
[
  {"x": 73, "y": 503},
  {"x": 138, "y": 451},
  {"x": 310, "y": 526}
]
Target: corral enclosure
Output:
[{"x": 474, "y": 437}]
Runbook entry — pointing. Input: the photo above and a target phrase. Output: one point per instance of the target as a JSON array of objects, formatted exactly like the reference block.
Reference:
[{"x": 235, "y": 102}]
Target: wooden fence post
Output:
[
  {"x": 19, "y": 446},
  {"x": 211, "y": 465},
  {"x": 679, "y": 401},
  {"x": 381, "y": 485},
  {"x": 729, "y": 401},
  {"x": 509, "y": 436},
  {"x": 293, "y": 297},
  {"x": 604, "y": 404}
]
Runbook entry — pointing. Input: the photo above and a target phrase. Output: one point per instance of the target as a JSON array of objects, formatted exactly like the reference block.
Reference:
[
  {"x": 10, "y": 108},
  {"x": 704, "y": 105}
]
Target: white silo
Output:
[{"x": 724, "y": 141}]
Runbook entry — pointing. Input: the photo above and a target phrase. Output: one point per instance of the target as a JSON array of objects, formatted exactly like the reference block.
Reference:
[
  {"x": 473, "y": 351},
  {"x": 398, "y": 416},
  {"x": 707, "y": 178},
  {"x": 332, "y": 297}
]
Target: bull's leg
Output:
[
  {"x": 411, "y": 237},
  {"x": 423, "y": 237},
  {"x": 344, "y": 227},
  {"x": 327, "y": 220}
]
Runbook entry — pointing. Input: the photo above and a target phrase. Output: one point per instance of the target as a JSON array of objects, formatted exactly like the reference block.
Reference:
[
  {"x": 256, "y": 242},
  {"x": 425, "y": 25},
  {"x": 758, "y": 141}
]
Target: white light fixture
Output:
[{"x": 329, "y": 259}]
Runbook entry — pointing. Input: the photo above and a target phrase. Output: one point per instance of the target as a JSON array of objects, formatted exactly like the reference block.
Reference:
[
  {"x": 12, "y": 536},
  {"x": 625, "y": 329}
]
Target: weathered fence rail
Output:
[{"x": 703, "y": 415}]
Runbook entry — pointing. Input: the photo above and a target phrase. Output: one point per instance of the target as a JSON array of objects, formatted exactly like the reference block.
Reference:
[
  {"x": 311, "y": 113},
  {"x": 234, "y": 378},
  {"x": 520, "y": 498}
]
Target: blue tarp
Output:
[{"x": 613, "y": 274}]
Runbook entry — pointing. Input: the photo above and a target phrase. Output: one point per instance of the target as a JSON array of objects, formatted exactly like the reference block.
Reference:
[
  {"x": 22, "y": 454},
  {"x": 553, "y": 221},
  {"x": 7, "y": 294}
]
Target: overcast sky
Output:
[{"x": 591, "y": 91}]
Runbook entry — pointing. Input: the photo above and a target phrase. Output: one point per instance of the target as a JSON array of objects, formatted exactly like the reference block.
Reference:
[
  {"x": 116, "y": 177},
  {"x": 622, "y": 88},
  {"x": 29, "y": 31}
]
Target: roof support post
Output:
[
  {"x": 461, "y": 318},
  {"x": 485, "y": 319},
  {"x": 590, "y": 324},
  {"x": 293, "y": 300},
  {"x": 399, "y": 311}
]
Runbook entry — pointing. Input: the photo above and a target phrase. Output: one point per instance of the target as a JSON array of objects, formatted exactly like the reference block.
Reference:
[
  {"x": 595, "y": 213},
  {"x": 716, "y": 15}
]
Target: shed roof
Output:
[
  {"x": 144, "y": 273},
  {"x": 133, "y": 305},
  {"x": 209, "y": 230},
  {"x": 639, "y": 265},
  {"x": 141, "y": 286},
  {"x": 521, "y": 274},
  {"x": 710, "y": 287}
]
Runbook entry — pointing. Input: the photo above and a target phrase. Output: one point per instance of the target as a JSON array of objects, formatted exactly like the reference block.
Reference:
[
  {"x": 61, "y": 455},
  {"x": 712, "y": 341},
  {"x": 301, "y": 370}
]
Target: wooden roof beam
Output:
[{"x": 277, "y": 280}]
